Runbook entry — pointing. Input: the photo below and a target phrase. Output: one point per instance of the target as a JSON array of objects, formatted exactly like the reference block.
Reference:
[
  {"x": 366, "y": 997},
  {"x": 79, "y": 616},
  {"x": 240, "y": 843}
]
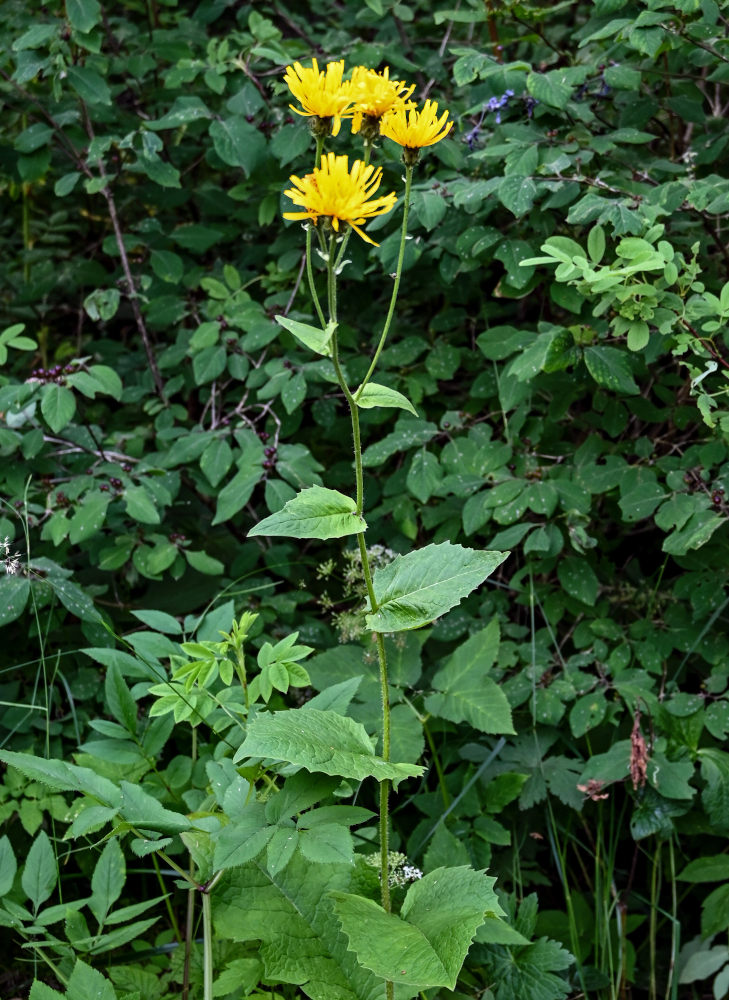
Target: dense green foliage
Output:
[{"x": 560, "y": 334}]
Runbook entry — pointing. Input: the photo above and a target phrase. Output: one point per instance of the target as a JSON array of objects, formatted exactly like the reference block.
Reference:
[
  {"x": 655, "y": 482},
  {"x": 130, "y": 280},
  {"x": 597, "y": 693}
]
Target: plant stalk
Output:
[
  {"x": 207, "y": 947},
  {"x": 384, "y": 819}
]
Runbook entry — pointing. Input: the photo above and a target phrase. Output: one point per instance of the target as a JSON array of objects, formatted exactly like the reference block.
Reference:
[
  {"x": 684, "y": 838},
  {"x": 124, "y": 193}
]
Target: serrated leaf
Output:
[
  {"x": 108, "y": 879},
  {"x": 62, "y": 777},
  {"x": 320, "y": 741},
  {"x": 40, "y": 872},
  {"x": 8, "y": 866},
  {"x": 119, "y": 699},
  {"x": 316, "y": 512},
  {"x": 143, "y": 811},
  {"x": 312, "y": 337},
  {"x": 88, "y": 984},
  {"x": 281, "y": 848},
  {"x": 328, "y": 843},
  {"x": 297, "y": 935},
  {"x": 381, "y": 395},
  {"x": 243, "y": 840},
  {"x": 426, "y": 946},
  {"x": 463, "y": 691},
  {"x": 418, "y": 587}
]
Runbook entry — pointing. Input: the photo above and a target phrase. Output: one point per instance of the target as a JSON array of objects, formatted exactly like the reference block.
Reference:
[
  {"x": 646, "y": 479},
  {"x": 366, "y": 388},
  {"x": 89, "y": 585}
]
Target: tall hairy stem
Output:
[{"x": 384, "y": 819}]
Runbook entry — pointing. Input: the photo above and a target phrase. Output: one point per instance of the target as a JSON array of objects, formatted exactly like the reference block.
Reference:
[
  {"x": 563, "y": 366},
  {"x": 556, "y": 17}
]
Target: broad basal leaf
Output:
[
  {"x": 320, "y": 741},
  {"x": 290, "y": 914},
  {"x": 427, "y": 944},
  {"x": 381, "y": 395},
  {"x": 316, "y": 512},
  {"x": 418, "y": 587},
  {"x": 312, "y": 337}
]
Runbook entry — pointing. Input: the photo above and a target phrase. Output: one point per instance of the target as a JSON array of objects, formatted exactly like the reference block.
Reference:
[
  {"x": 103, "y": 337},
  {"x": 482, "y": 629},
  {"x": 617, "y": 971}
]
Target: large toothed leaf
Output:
[
  {"x": 320, "y": 741},
  {"x": 416, "y": 588},
  {"x": 316, "y": 512},
  {"x": 312, "y": 337},
  {"x": 289, "y": 913},
  {"x": 426, "y": 945}
]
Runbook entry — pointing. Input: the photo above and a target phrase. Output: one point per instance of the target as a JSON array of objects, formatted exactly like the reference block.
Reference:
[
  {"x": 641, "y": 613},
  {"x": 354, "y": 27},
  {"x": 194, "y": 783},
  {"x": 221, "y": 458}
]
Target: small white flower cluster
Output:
[
  {"x": 400, "y": 872},
  {"x": 11, "y": 563}
]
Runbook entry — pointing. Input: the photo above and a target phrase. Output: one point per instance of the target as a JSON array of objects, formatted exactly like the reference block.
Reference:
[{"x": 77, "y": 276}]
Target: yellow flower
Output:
[
  {"x": 375, "y": 93},
  {"x": 321, "y": 94},
  {"x": 340, "y": 194},
  {"x": 415, "y": 129}
]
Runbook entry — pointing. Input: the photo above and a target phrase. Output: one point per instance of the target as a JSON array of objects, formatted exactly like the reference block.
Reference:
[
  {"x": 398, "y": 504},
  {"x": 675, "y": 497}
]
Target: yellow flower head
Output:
[
  {"x": 321, "y": 93},
  {"x": 375, "y": 93},
  {"x": 340, "y": 194},
  {"x": 415, "y": 129}
]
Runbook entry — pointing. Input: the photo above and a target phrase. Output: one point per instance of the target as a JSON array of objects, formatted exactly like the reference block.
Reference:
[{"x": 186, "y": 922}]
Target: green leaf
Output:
[
  {"x": 8, "y": 866},
  {"x": 242, "y": 841},
  {"x": 89, "y": 85},
  {"x": 465, "y": 694},
  {"x": 122, "y": 705},
  {"x": 108, "y": 880},
  {"x": 62, "y": 777},
  {"x": 89, "y": 517},
  {"x": 14, "y": 594},
  {"x": 713, "y": 869},
  {"x": 204, "y": 563},
  {"x": 426, "y": 946},
  {"x": 143, "y": 811},
  {"x": 281, "y": 848},
  {"x": 517, "y": 194},
  {"x": 320, "y": 741},
  {"x": 140, "y": 505},
  {"x": 424, "y": 475},
  {"x": 237, "y": 142},
  {"x": 87, "y": 983},
  {"x": 578, "y": 579},
  {"x": 316, "y": 512},
  {"x": 587, "y": 712},
  {"x": 610, "y": 368},
  {"x": 291, "y": 920},
  {"x": 75, "y": 600},
  {"x": 236, "y": 493},
  {"x": 327, "y": 843},
  {"x": 550, "y": 88},
  {"x": 312, "y": 337},
  {"x": 293, "y": 392},
  {"x": 381, "y": 395},
  {"x": 40, "y": 873},
  {"x": 83, "y": 14},
  {"x": 418, "y": 587},
  {"x": 58, "y": 406},
  {"x": 715, "y": 796}
]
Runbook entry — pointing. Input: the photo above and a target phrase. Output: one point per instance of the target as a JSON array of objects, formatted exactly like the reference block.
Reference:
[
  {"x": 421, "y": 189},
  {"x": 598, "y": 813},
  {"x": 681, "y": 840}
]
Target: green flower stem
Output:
[
  {"x": 207, "y": 947},
  {"x": 309, "y": 270},
  {"x": 310, "y": 277},
  {"x": 366, "y": 569},
  {"x": 396, "y": 285}
]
